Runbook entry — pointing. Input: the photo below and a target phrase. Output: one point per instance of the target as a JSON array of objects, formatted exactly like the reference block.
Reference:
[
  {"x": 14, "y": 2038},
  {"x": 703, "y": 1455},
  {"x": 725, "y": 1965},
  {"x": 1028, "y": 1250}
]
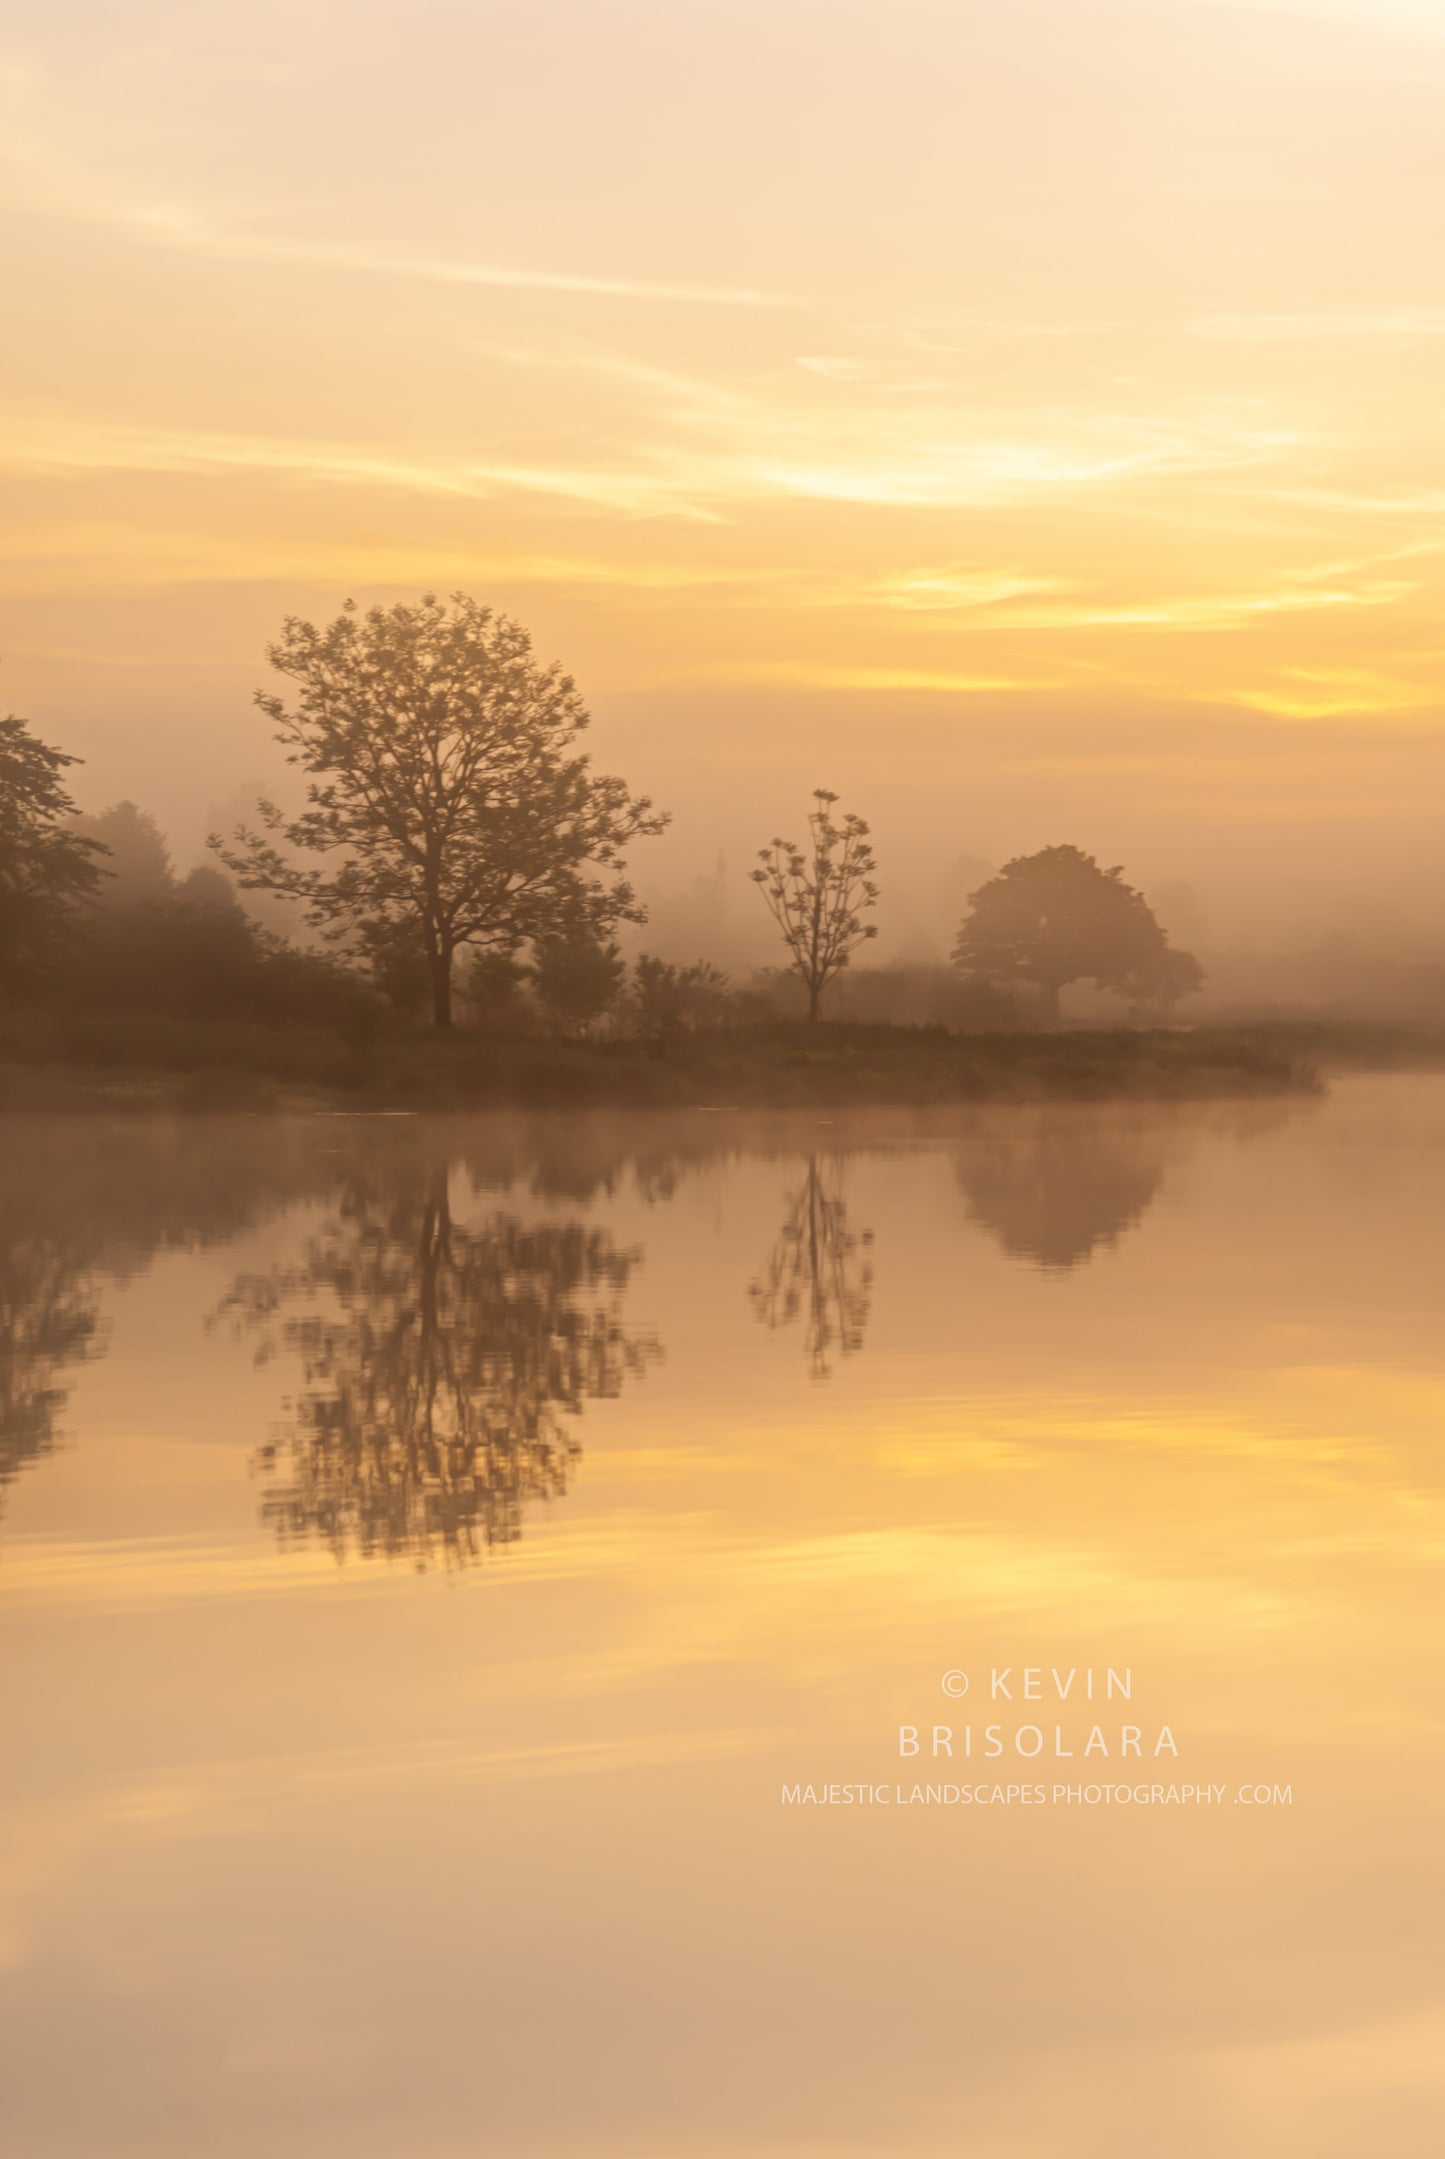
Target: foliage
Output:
[
  {"x": 577, "y": 979},
  {"x": 818, "y": 894},
  {"x": 666, "y": 997},
  {"x": 137, "y": 860},
  {"x": 445, "y": 787},
  {"x": 495, "y": 991},
  {"x": 905, "y": 994},
  {"x": 185, "y": 948},
  {"x": 47, "y": 871},
  {"x": 1055, "y": 917},
  {"x": 396, "y": 962},
  {"x": 1156, "y": 988}
]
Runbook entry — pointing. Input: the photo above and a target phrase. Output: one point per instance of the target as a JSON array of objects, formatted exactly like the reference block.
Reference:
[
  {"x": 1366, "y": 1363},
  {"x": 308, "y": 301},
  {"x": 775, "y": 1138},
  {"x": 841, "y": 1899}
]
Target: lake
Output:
[{"x": 473, "y": 1590}]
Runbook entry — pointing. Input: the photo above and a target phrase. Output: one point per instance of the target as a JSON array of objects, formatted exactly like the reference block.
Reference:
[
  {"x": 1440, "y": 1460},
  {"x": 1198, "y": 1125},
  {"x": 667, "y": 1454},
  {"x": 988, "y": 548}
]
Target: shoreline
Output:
[{"x": 181, "y": 1066}]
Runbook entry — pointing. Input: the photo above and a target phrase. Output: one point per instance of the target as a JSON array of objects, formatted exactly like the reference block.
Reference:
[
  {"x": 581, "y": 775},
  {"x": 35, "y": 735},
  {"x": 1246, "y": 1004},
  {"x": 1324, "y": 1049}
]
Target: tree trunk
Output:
[
  {"x": 814, "y": 994},
  {"x": 439, "y": 963}
]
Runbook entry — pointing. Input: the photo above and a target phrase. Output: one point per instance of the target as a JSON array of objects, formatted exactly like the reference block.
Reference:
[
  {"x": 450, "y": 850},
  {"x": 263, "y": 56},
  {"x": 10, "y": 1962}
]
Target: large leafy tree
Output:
[
  {"x": 46, "y": 870},
  {"x": 819, "y": 893},
  {"x": 446, "y": 791},
  {"x": 1055, "y": 917}
]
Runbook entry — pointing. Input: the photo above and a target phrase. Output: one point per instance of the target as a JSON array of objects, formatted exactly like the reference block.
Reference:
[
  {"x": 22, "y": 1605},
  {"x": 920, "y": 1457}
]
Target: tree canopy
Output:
[
  {"x": 1056, "y": 917},
  {"x": 445, "y": 787},
  {"x": 46, "y": 869}
]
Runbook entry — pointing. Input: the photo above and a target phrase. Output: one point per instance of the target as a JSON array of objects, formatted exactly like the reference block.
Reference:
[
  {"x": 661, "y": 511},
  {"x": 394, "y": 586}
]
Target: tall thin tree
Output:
[{"x": 819, "y": 893}]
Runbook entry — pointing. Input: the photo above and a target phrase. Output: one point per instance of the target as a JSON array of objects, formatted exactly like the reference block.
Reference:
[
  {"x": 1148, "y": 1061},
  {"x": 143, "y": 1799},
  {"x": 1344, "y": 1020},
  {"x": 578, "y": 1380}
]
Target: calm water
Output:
[{"x": 428, "y": 1550}]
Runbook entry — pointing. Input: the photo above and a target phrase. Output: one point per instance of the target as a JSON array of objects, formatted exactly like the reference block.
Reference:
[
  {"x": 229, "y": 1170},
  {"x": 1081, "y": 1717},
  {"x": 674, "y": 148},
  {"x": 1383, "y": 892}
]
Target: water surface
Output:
[{"x": 428, "y": 1550}]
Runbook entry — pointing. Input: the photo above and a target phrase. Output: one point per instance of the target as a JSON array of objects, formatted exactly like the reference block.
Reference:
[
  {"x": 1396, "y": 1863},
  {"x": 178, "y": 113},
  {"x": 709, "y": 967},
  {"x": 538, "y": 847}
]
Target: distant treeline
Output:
[{"x": 457, "y": 860}]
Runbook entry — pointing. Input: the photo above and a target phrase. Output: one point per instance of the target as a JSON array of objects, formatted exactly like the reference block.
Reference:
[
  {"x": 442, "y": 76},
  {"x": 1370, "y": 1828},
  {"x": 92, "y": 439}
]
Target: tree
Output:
[
  {"x": 396, "y": 961},
  {"x": 46, "y": 870},
  {"x": 1157, "y": 987},
  {"x": 819, "y": 894},
  {"x": 666, "y": 998},
  {"x": 1054, "y": 918},
  {"x": 446, "y": 786},
  {"x": 138, "y": 868},
  {"x": 577, "y": 979},
  {"x": 495, "y": 991}
]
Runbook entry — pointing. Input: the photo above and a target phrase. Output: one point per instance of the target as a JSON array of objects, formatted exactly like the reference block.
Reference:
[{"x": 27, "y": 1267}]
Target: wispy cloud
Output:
[
  {"x": 187, "y": 228},
  {"x": 1010, "y": 599},
  {"x": 949, "y": 588},
  {"x": 1371, "y": 502},
  {"x": 1318, "y": 693},
  {"x": 1374, "y": 325},
  {"x": 136, "y": 450},
  {"x": 1209, "y": 611},
  {"x": 823, "y": 674},
  {"x": 62, "y": 185},
  {"x": 986, "y": 470},
  {"x": 707, "y": 478}
]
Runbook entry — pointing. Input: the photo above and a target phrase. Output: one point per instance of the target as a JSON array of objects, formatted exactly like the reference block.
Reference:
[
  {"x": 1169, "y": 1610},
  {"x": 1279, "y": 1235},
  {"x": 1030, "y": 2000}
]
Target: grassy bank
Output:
[{"x": 60, "y": 1061}]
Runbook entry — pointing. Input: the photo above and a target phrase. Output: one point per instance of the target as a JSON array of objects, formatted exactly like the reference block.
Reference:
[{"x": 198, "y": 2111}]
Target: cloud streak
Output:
[
  {"x": 188, "y": 229},
  {"x": 64, "y": 186}
]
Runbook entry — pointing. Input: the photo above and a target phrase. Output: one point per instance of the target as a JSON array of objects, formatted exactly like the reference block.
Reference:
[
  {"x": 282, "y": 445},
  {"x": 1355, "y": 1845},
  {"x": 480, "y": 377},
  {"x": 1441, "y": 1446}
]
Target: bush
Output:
[{"x": 201, "y": 958}]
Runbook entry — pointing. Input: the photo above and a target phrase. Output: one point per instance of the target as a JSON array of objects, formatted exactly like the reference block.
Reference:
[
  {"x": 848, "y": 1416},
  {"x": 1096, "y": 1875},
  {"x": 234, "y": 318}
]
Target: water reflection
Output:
[
  {"x": 87, "y": 1202},
  {"x": 445, "y": 1360},
  {"x": 1213, "y": 1458},
  {"x": 49, "y": 1319},
  {"x": 1055, "y": 1189},
  {"x": 1057, "y": 1184},
  {"x": 818, "y": 1270},
  {"x": 441, "y": 1372}
]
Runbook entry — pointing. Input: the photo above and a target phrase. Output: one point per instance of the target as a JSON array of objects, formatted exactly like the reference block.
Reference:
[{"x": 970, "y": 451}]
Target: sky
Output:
[{"x": 1024, "y": 420}]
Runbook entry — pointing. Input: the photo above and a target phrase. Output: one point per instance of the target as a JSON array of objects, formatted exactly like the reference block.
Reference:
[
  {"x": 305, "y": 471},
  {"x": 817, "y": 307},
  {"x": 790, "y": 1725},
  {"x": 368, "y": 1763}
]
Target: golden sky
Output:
[{"x": 1026, "y": 419}]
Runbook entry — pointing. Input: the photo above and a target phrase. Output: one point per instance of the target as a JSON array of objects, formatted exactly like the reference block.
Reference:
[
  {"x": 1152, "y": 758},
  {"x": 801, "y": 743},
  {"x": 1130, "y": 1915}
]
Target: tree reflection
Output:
[
  {"x": 49, "y": 1321},
  {"x": 440, "y": 1371},
  {"x": 89, "y": 1201},
  {"x": 1056, "y": 1185},
  {"x": 818, "y": 1270}
]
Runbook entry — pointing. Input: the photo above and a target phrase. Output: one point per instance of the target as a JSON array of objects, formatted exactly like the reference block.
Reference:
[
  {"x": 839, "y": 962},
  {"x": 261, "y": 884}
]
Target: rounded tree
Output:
[{"x": 1053, "y": 918}]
